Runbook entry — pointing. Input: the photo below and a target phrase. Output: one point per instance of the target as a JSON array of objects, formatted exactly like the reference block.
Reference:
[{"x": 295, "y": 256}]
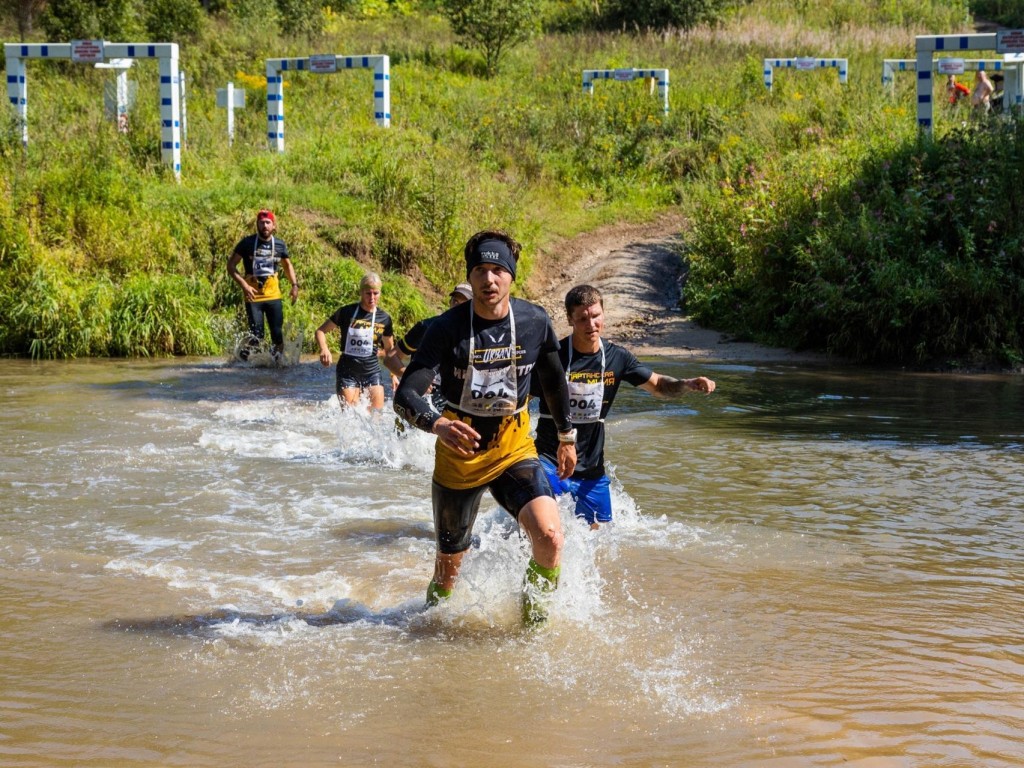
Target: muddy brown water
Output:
[{"x": 210, "y": 565}]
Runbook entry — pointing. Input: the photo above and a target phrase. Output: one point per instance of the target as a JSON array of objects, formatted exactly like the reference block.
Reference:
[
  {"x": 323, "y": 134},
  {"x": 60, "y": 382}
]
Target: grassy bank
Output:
[{"x": 105, "y": 254}]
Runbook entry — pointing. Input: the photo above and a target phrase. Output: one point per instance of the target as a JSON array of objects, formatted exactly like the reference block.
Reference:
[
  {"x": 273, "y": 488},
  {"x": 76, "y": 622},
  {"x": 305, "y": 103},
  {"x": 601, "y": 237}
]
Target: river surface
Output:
[{"x": 213, "y": 565}]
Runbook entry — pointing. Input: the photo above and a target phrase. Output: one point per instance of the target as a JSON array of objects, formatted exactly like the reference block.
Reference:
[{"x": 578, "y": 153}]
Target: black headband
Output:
[{"x": 492, "y": 252}]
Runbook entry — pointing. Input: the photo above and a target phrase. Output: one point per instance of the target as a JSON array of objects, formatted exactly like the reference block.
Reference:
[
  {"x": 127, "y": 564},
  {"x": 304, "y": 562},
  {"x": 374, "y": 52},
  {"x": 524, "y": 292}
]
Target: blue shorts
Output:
[{"x": 593, "y": 497}]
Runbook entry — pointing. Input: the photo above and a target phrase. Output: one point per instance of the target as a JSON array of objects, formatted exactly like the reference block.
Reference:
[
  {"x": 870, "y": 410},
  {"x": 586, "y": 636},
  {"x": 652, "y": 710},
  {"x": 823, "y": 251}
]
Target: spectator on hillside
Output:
[
  {"x": 956, "y": 91},
  {"x": 981, "y": 96}
]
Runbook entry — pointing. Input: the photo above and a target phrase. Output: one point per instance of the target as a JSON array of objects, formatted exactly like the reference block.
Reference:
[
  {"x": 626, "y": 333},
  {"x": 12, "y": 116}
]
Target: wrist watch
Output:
[{"x": 568, "y": 437}]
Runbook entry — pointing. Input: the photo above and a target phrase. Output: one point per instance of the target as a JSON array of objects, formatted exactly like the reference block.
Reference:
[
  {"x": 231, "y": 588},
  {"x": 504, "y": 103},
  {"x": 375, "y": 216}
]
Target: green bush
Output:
[
  {"x": 909, "y": 253},
  {"x": 162, "y": 315},
  {"x": 174, "y": 20},
  {"x": 116, "y": 20},
  {"x": 661, "y": 14}
]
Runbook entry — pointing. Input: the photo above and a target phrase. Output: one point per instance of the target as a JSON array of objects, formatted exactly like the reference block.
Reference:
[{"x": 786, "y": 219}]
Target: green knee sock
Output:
[
  {"x": 538, "y": 582},
  {"x": 436, "y": 594}
]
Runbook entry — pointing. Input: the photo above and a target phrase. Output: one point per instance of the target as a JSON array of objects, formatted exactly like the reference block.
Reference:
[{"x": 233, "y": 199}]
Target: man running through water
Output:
[
  {"x": 594, "y": 370},
  {"x": 261, "y": 254},
  {"x": 486, "y": 352}
]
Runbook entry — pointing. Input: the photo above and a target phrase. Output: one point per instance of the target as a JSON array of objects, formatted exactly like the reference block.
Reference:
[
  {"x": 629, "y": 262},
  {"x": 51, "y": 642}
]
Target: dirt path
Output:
[{"x": 638, "y": 271}]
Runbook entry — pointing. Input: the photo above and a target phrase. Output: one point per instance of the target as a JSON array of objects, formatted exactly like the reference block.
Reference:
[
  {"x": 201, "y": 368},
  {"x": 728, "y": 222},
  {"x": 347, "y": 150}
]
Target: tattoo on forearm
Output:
[{"x": 672, "y": 387}]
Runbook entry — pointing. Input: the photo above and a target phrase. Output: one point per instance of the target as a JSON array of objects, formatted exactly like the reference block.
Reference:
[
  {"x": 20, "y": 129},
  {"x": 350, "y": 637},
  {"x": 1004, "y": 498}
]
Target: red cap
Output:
[{"x": 265, "y": 214}]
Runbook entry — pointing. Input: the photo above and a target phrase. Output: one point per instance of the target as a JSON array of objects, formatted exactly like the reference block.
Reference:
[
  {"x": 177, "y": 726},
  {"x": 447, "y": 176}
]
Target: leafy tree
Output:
[
  {"x": 91, "y": 20},
  {"x": 661, "y": 14},
  {"x": 24, "y": 12},
  {"x": 493, "y": 26},
  {"x": 173, "y": 20},
  {"x": 301, "y": 17}
]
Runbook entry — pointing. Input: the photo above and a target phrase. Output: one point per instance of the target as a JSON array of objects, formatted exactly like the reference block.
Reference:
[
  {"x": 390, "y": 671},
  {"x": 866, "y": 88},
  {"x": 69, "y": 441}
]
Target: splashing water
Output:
[{"x": 259, "y": 353}]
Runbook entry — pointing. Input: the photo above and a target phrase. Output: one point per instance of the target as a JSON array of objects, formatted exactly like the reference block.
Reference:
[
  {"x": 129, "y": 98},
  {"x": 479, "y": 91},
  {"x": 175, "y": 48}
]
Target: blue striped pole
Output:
[{"x": 925, "y": 46}]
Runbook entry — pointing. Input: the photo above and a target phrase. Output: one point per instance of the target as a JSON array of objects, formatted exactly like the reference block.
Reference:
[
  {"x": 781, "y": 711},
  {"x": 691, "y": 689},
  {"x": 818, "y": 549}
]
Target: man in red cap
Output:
[{"x": 261, "y": 255}]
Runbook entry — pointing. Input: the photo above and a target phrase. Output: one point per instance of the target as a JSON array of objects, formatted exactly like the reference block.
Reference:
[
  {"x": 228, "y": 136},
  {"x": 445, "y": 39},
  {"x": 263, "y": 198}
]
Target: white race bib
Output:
[
  {"x": 359, "y": 341},
  {"x": 492, "y": 392},
  {"x": 585, "y": 401},
  {"x": 264, "y": 263}
]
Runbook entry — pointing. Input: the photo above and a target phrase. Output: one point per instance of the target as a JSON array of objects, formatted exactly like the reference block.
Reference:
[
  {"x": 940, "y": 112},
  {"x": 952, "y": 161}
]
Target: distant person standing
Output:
[
  {"x": 366, "y": 333},
  {"x": 981, "y": 96},
  {"x": 261, "y": 255},
  {"x": 955, "y": 90},
  {"x": 594, "y": 369}
]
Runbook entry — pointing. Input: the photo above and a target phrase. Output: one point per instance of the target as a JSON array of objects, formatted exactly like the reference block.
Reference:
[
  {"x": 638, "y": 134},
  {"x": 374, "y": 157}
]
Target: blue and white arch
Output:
[
  {"x": 804, "y": 63},
  {"x": 166, "y": 54},
  {"x": 659, "y": 76},
  {"x": 1010, "y": 69},
  {"x": 927, "y": 46},
  {"x": 324, "y": 64}
]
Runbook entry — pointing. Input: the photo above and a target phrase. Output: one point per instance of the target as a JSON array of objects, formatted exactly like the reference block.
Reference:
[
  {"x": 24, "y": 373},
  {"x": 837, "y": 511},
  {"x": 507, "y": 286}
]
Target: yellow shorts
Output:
[{"x": 510, "y": 443}]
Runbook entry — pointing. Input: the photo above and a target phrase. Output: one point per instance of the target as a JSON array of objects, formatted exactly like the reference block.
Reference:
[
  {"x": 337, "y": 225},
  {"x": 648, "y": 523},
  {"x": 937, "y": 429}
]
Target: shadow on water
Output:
[
  {"x": 413, "y": 618},
  {"x": 374, "y": 531},
  {"x": 231, "y": 381},
  {"x": 854, "y": 404},
  {"x": 213, "y": 625}
]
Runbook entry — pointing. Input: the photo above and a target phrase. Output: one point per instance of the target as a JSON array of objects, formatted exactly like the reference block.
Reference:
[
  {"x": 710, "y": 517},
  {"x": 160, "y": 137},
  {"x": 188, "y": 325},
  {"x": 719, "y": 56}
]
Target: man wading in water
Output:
[
  {"x": 260, "y": 254},
  {"x": 485, "y": 352},
  {"x": 595, "y": 369}
]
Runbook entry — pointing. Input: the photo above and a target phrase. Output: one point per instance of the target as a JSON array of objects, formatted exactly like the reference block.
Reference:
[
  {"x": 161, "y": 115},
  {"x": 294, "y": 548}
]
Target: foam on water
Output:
[{"x": 320, "y": 431}]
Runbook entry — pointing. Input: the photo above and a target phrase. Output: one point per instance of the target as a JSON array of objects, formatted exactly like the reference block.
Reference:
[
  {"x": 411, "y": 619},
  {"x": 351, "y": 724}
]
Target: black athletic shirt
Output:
[
  {"x": 445, "y": 348},
  {"x": 619, "y": 365},
  {"x": 354, "y": 314},
  {"x": 412, "y": 340},
  {"x": 248, "y": 246}
]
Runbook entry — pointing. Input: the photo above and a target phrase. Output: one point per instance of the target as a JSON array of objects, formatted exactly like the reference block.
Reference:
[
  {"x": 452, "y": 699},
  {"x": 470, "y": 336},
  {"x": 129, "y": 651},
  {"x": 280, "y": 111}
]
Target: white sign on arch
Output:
[
  {"x": 324, "y": 64},
  {"x": 17, "y": 55}
]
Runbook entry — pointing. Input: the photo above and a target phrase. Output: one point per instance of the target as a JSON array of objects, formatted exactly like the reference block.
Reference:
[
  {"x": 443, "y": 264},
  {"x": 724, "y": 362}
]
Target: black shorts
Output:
[
  {"x": 344, "y": 381},
  {"x": 455, "y": 510}
]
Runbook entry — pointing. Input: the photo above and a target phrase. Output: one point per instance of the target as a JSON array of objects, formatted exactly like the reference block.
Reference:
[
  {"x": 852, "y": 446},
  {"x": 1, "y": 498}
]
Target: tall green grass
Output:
[{"x": 95, "y": 231}]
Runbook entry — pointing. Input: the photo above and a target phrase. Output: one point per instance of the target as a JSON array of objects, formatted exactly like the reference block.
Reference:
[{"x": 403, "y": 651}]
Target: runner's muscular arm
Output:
[
  {"x": 666, "y": 386},
  {"x": 235, "y": 275},
  {"x": 551, "y": 376},
  {"x": 412, "y": 406}
]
